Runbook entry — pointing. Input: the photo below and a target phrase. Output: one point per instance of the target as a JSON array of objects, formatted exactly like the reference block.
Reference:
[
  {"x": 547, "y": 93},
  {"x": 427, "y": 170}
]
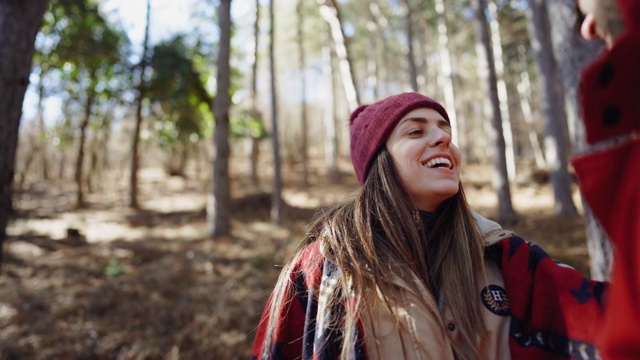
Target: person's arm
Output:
[{"x": 555, "y": 311}]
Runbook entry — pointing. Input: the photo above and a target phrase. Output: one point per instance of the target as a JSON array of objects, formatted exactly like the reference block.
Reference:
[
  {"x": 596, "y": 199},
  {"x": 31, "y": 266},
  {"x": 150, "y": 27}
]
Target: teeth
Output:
[{"x": 439, "y": 161}]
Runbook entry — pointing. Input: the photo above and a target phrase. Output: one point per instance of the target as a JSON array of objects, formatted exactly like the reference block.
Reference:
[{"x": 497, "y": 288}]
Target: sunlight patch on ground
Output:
[
  {"x": 300, "y": 199},
  {"x": 180, "y": 202},
  {"x": 97, "y": 229}
]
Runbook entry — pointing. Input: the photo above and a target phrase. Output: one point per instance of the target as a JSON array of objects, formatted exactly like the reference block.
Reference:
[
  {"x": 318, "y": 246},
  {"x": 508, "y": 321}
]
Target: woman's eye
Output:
[{"x": 416, "y": 132}]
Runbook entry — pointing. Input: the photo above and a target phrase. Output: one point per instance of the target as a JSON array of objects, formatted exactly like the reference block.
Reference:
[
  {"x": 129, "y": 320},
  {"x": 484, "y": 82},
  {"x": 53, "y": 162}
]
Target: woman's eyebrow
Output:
[{"x": 421, "y": 119}]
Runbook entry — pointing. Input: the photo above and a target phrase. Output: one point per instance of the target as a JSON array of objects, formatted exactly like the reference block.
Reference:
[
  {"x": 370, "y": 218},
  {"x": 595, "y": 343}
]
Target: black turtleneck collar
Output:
[{"x": 428, "y": 218}]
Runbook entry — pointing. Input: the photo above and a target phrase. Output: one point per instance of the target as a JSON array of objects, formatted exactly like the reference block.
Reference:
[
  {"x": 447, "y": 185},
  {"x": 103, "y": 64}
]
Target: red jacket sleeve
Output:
[{"x": 295, "y": 311}]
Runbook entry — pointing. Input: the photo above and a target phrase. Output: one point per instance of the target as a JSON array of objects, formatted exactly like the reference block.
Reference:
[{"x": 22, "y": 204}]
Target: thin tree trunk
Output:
[
  {"x": 373, "y": 76},
  {"x": 135, "y": 159},
  {"x": 383, "y": 53},
  {"x": 556, "y": 146},
  {"x": 42, "y": 129},
  {"x": 331, "y": 139},
  {"x": 411, "y": 62},
  {"x": 573, "y": 53},
  {"x": 506, "y": 213},
  {"x": 524, "y": 92},
  {"x": 482, "y": 148},
  {"x": 79, "y": 166},
  {"x": 219, "y": 221},
  {"x": 276, "y": 200},
  {"x": 303, "y": 94},
  {"x": 496, "y": 44},
  {"x": 255, "y": 140},
  {"x": 19, "y": 24},
  {"x": 331, "y": 14},
  {"x": 445, "y": 77}
]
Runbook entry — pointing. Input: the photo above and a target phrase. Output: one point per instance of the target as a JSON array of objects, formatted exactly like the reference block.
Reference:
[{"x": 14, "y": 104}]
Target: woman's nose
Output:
[{"x": 440, "y": 137}]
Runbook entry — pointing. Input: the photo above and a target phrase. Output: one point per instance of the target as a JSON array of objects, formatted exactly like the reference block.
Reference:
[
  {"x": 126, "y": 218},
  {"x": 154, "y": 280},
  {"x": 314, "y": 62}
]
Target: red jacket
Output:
[{"x": 610, "y": 178}]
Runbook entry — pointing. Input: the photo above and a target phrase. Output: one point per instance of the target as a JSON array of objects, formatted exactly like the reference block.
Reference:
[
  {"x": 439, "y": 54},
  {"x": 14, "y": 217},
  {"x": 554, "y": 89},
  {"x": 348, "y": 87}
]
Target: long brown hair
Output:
[{"x": 377, "y": 234}]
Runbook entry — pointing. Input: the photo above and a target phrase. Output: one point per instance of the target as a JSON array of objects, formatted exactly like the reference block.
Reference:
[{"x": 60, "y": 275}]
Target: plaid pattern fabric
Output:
[{"x": 555, "y": 311}]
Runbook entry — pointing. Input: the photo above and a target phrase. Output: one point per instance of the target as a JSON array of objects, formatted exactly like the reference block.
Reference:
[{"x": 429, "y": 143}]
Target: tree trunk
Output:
[
  {"x": 331, "y": 14},
  {"x": 135, "y": 159},
  {"x": 524, "y": 93},
  {"x": 506, "y": 213},
  {"x": 276, "y": 200},
  {"x": 42, "y": 131},
  {"x": 331, "y": 139},
  {"x": 445, "y": 78},
  {"x": 219, "y": 221},
  {"x": 556, "y": 146},
  {"x": 411, "y": 61},
  {"x": 19, "y": 24},
  {"x": 255, "y": 140},
  {"x": 381, "y": 70},
  {"x": 372, "y": 81},
  {"x": 79, "y": 166},
  {"x": 496, "y": 44},
  {"x": 303, "y": 94},
  {"x": 573, "y": 53}
]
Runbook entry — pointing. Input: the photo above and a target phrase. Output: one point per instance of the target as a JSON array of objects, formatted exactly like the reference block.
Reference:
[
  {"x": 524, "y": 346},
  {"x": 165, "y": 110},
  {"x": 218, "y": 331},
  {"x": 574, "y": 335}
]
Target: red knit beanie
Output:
[{"x": 372, "y": 124}]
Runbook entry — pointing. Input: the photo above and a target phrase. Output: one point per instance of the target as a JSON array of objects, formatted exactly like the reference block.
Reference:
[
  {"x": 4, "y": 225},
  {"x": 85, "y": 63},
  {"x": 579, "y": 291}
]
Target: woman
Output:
[{"x": 407, "y": 270}]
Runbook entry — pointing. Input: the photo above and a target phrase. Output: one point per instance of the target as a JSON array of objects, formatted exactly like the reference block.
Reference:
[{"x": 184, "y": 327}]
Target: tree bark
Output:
[
  {"x": 218, "y": 214},
  {"x": 331, "y": 14},
  {"x": 573, "y": 53},
  {"x": 329, "y": 117},
  {"x": 524, "y": 93},
  {"x": 506, "y": 213},
  {"x": 372, "y": 82},
  {"x": 556, "y": 139},
  {"x": 79, "y": 165},
  {"x": 379, "y": 64},
  {"x": 303, "y": 94},
  {"x": 135, "y": 159},
  {"x": 19, "y": 24},
  {"x": 445, "y": 78},
  {"x": 276, "y": 200},
  {"x": 411, "y": 61},
  {"x": 496, "y": 44},
  {"x": 255, "y": 140}
]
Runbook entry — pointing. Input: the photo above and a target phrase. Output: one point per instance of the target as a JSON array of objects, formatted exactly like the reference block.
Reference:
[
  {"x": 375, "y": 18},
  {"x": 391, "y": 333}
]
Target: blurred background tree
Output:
[{"x": 328, "y": 57}]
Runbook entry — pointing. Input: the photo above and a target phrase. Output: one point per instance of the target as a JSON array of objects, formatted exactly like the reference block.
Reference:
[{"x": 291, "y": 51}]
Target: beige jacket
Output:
[{"x": 420, "y": 336}]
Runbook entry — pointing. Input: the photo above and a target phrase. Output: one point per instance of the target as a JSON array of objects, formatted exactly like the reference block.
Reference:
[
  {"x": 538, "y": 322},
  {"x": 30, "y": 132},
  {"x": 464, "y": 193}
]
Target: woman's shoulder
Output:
[{"x": 309, "y": 262}]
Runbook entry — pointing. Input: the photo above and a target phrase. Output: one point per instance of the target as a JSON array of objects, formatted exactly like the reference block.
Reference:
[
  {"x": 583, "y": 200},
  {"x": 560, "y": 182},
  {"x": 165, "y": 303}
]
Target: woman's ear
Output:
[{"x": 588, "y": 29}]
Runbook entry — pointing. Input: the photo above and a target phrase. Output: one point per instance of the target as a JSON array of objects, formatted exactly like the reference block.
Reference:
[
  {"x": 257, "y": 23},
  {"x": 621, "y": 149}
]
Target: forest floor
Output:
[{"x": 107, "y": 282}]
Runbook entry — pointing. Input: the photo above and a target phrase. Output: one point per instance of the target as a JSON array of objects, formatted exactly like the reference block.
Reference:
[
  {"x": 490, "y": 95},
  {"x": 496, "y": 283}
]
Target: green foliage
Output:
[
  {"x": 178, "y": 91},
  {"x": 62, "y": 134},
  {"x": 83, "y": 56},
  {"x": 248, "y": 124},
  {"x": 115, "y": 268}
]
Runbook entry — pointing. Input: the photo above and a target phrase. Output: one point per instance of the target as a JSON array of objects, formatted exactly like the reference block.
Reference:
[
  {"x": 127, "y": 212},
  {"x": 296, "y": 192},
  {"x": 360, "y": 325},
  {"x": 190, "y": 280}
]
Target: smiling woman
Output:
[
  {"x": 407, "y": 270},
  {"x": 428, "y": 164}
]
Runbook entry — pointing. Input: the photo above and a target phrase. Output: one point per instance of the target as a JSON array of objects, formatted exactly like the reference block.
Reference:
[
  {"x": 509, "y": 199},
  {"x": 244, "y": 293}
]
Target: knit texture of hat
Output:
[{"x": 371, "y": 125}]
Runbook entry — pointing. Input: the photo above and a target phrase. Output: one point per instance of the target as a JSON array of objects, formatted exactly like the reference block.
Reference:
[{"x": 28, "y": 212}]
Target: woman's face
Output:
[{"x": 424, "y": 157}]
